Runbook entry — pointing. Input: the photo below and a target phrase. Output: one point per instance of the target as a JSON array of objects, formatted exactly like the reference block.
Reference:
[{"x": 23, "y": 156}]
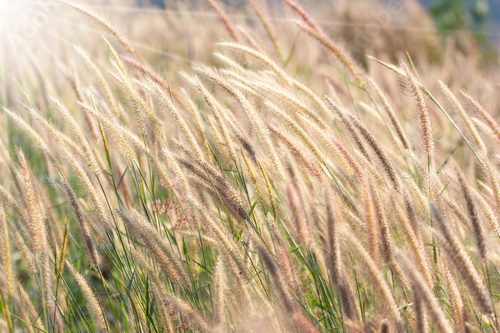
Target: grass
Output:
[{"x": 271, "y": 184}]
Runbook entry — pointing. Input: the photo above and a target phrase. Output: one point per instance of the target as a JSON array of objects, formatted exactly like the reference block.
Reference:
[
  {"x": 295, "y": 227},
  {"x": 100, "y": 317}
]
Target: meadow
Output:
[{"x": 211, "y": 168}]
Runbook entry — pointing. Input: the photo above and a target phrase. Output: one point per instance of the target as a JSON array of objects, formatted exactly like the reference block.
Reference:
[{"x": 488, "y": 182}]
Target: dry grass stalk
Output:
[
  {"x": 105, "y": 25},
  {"x": 456, "y": 301},
  {"x": 372, "y": 142},
  {"x": 420, "y": 314},
  {"x": 338, "y": 52},
  {"x": 93, "y": 253},
  {"x": 423, "y": 114},
  {"x": 159, "y": 247},
  {"x": 219, "y": 294},
  {"x": 297, "y": 129},
  {"x": 269, "y": 29},
  {"x": 350, "y": 127},
  {"x": 249, "y": 110},
  {"x": 487, "y": 118},
  {"x": 370, "y": 222},
  {"x": 385, "y": 235},
  {"x": 92, "y": 301},
  {"x": 296, "y": 151},
  {"x": 415, "y": 242},
  {"x": 390, "y": 113},
  {"x": 465, "y": 117},
  {"x": 376, "y": 274},
  {"x": 6, "y": 253},
  {"x": 473, "y": 217},
  {"x": 422, "y": 290},
  {"x": 36, "y": 226},
  {"x": 102, "y": 82},
  {"x": 217, "y": 112},
  {"x": 260, "y": 56},
  {"x": 179, "y": 120},
  {"x": 187, "y": 312},
  {"x": 228, "y": 24},
  {"x": 463, "y": 264}
]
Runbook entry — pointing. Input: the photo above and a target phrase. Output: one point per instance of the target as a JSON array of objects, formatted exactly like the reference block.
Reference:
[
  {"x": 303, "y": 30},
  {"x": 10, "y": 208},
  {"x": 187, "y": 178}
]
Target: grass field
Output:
[{"x": 210, "y": 168}]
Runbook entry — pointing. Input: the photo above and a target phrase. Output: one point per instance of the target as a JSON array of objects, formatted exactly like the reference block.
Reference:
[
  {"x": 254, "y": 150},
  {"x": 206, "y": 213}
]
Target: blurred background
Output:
[
  {"x": 173, "y": 34},
  {"x": 472, "y": 26},
  {"x": 481, "y": 16}
]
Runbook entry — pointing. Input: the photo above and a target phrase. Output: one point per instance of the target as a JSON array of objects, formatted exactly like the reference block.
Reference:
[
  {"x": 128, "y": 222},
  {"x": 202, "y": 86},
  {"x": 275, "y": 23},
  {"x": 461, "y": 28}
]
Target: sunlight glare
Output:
[
  {"x": 3, "y": 5},
  {"x": 16, "y": 17}
]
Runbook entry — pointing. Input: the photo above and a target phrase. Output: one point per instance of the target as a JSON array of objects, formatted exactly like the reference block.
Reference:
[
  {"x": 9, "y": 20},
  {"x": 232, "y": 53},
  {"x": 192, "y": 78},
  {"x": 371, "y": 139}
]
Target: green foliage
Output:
[{"x": 453, "y": 15}]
